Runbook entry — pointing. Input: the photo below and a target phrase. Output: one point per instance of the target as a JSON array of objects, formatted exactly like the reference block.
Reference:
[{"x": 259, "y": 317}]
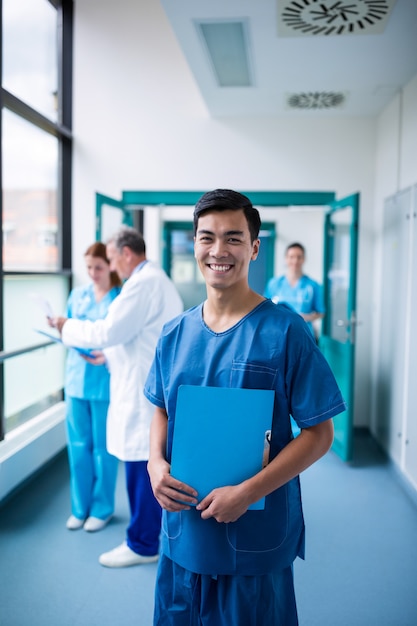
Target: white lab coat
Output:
[{"x": 128, "y": 336}]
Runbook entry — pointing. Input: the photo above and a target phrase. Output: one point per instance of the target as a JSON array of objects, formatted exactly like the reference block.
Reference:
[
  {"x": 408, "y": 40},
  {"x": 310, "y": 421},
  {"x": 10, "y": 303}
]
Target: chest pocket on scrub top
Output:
[{"x": 252, "y": 376}]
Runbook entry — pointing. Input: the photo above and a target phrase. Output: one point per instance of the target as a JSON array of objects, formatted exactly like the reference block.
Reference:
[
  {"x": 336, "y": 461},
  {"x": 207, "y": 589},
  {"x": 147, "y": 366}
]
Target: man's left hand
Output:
[{"x": 225, "y": 504}]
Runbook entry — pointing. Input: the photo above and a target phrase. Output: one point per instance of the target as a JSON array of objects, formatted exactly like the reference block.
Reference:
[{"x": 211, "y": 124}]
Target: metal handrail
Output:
[{"x": 12, "y": 353}]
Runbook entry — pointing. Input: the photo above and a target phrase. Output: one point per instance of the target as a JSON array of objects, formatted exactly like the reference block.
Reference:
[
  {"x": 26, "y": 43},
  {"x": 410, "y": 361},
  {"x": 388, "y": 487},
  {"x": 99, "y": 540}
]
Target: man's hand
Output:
[
  {"x": 97, "y": 358},
  {"x": 225, "y": 504},
  {"x": 172, "y": 494},
  {"x": 57, "y": 322}
]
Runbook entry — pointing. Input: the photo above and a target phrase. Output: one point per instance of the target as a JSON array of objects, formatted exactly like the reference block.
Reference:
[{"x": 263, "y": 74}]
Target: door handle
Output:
[{"x": 350, "y": 325}]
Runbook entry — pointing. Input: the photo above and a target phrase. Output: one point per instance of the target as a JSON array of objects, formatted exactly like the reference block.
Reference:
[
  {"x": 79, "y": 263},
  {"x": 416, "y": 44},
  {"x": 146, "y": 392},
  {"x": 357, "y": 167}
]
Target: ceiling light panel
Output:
[{"x": 226, "y": 44}]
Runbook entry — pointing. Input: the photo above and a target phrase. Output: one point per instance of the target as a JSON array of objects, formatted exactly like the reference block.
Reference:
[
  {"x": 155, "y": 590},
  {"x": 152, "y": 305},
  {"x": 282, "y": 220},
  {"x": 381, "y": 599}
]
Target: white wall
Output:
[{"x": 396, "y": 158}]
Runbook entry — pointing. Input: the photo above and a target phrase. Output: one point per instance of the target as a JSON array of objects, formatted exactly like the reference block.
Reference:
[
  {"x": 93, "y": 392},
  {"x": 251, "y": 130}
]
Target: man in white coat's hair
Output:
[{"x": 126, "y": 339}]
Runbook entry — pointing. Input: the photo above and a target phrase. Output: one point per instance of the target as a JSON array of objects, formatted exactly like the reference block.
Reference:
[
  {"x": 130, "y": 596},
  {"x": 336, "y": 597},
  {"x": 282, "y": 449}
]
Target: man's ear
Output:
[
  {"x": 256, "y": 245},
  {"x": 126, "y": 253}
]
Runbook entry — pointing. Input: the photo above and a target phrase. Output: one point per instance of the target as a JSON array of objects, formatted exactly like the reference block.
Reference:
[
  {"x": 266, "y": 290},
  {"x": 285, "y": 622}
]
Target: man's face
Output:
[
  {"x": 295, "y": 260},
  {"x": 223, "y": 248},
  {"x": 117, "y": 261}
]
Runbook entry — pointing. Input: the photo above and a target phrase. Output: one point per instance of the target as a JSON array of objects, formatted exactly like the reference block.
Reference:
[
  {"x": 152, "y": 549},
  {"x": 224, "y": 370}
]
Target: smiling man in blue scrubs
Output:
[{"x": 222, "y": 564}]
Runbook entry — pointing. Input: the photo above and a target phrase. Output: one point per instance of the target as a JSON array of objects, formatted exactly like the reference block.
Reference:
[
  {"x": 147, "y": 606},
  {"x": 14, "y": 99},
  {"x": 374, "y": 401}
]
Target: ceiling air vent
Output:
[
  {"x": 316, "y": 100},
  {"x": 332, "y": 17}
]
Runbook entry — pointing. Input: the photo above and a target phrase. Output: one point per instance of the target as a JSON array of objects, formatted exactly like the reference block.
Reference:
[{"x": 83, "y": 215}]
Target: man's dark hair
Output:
[
  {"x": 228, "y": 200},
  {"x": 296, "y": 245},
  {"x": 129, "y": 237}
]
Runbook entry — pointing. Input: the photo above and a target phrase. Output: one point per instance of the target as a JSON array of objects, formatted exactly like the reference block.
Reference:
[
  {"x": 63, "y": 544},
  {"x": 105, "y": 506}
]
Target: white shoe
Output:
[
  {"x": 74, "y": 523},
  {"x": 93, "y": 524},
  {"x": 123, "y": 556}
]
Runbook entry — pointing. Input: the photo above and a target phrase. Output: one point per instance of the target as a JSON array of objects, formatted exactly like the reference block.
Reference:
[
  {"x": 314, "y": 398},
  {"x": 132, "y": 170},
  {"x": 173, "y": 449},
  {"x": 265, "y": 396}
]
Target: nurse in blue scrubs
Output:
[
  {"x": 222, "y": 564},
  {"x": 297, "y": 289},
  {"x": 93, "y": 471}
]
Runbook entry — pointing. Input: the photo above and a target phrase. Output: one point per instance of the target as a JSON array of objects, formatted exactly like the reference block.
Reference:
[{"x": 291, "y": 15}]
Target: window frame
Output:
[{"x": 62, "y": 130}]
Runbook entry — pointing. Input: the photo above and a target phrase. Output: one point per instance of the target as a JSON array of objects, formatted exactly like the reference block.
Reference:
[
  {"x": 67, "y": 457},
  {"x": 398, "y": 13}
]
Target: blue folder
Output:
[
  {"x": 84, "y": 351},
  {"x": 220, "y": 436}
]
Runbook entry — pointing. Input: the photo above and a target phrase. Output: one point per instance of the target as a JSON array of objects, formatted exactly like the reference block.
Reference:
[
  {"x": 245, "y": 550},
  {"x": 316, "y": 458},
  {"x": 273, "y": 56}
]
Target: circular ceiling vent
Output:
[
  {"x": 316, "y": 100},
  {"x": 333, "y": 17}
]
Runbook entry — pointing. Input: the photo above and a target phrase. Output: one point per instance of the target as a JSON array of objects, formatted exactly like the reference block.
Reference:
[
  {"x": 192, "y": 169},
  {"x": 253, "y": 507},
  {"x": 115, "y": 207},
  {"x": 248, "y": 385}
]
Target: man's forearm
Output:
[
  {"x": 158, "y": 434},
  {"x": 310, "y": 445}
]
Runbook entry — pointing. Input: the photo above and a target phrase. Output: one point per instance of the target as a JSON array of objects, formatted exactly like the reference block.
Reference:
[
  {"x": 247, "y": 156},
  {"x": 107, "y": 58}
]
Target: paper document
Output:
[
  {"x": 43, "y": 304},
  {"x": 83, "y": 351},
  {"x": 219, "y": 436}
]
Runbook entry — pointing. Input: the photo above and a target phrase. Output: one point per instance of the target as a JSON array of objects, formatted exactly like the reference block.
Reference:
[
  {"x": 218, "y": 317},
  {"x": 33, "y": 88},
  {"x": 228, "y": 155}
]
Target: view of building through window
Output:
[
  {"x": 30, "y": 180},
  {"x": 30, "y": 155},
  {"x": 30, "y": 56}
]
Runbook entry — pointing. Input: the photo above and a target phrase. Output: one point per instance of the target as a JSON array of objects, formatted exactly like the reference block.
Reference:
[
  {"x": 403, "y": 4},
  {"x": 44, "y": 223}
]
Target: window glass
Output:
[
  {"x": 30, "y": 58},
  {"x": 112, "y": 219},
  {"x": 33, "y": 381},
  {"x": 338, "y": 276},
  {"x": 30, "y": 182},
  {"x": 24, "y": 401}
]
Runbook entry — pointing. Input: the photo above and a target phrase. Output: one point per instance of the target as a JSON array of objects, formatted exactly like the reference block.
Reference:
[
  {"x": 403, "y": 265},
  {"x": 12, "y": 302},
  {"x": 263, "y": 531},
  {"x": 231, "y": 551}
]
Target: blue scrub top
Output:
[
  {"x": 304, "y": 297},
  {"x": 84, "y": 380},
  {"x": 270, "y": 348}
]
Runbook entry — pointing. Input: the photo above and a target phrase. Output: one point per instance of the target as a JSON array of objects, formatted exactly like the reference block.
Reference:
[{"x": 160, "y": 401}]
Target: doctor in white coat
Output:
[{"x": 126, "y": 340}]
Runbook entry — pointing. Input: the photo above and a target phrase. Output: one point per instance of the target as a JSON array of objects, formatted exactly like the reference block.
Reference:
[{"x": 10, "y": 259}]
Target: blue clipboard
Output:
[
  {"x": 83, "y": 351},
  {"x": 220, "y": 436}
]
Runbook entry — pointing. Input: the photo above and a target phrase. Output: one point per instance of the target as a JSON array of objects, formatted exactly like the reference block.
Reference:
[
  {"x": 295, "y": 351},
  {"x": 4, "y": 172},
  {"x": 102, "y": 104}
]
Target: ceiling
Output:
[{"x": 304, "y": 57}]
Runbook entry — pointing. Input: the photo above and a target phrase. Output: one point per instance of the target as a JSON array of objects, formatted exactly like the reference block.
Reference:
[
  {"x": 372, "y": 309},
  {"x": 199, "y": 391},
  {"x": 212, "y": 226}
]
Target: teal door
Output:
[
  {"x": 110, "y": 215},
  {"x": 338, "y": 337}
]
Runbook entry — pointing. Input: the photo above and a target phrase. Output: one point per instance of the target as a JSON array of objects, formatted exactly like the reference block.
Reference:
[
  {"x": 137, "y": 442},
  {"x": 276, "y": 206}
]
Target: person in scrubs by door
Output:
[
  {"x": 222, "y": 564},
  {"x": 93, "y": 470},
  {"x": 296, "y": 288}
]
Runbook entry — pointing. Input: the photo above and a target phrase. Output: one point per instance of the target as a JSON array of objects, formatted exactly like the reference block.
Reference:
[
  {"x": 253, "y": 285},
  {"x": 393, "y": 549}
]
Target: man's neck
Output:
[
  {"x": 135, "y": 264},
  {"x": 222, "y": 310}
]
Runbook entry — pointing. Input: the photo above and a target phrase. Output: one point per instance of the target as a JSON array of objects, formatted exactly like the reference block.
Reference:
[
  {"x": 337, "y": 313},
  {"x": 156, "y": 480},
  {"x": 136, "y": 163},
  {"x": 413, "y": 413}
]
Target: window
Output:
[
  {"x": 30, "y": 54},
  {"x": 30, "y": 202},
  {"x": 36, "y": 144}
]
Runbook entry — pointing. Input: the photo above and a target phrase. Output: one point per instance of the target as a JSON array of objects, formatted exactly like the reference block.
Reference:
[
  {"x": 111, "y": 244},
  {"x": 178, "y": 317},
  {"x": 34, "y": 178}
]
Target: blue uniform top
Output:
[
  {"x": 82, "y": 379},
  {"x": 305, "y": 297},
  {"x": 270, "y": 348}
]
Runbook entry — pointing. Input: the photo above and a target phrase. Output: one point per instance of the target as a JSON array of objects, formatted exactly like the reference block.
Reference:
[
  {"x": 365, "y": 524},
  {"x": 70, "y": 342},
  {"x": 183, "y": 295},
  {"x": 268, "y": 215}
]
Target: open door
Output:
[
  {"x": 110, "y": 215},
  {"x": 337, "y": 340}
]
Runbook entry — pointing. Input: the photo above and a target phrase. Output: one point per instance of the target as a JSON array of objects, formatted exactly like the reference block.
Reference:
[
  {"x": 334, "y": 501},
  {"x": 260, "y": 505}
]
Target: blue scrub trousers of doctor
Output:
[
  {"x": 93, "y": 471},
  {"x": 145, "y": 513}
]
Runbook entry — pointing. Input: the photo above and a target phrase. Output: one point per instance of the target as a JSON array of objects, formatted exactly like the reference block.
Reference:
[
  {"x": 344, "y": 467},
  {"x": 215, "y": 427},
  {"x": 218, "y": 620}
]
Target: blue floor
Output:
[{"x": 360, "y": 570}]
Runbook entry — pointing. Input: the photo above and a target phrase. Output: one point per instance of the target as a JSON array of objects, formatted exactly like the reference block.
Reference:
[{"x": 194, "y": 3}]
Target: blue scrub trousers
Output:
[
  {"x": 145, "y": 513},
  {"x": 183, "y": 598},
  {"x": 93, "y": 471}
]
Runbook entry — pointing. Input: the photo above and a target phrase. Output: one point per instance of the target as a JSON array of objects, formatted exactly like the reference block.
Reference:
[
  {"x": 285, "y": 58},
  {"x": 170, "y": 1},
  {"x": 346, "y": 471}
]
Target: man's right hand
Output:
[
  {"x": 57, "y": 322},
  {"x": 172, "y": 494}
]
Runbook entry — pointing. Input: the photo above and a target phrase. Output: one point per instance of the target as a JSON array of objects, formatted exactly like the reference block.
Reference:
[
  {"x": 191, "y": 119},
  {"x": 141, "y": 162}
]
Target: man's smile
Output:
[{"x": 219, "y": 268}]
